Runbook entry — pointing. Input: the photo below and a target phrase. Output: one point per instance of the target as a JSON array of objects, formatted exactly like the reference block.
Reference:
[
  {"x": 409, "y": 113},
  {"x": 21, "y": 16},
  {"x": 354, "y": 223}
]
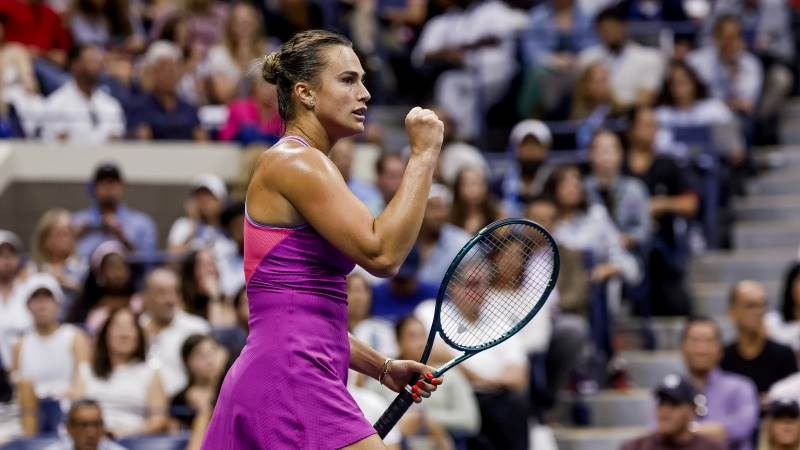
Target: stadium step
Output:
[
  {"x": 777, "y": 156},
  {"x": 767, "y": 234},
  {"x": 780, "y": 181},
  {"x": 768, "y": 207},
  {"x": 727, "y": 266},
  {"x": 615, "y": 408},
  {"x": 647, "y": 368},
  {"x": 595, "y": 438},
  {"x": 711, "y": 299}
]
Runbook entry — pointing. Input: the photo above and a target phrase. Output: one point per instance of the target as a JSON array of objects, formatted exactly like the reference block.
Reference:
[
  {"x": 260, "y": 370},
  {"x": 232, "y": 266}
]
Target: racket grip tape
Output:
[{"x": 392, "y": 415}]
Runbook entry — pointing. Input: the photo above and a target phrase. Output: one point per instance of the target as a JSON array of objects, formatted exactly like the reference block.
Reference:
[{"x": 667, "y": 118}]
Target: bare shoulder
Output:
[{"x": 286, "y": 166}]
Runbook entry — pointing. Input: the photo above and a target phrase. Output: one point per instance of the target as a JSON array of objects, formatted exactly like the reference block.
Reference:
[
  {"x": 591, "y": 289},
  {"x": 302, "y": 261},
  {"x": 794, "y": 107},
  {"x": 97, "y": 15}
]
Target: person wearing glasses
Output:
[{"x": 86, "y": 429}]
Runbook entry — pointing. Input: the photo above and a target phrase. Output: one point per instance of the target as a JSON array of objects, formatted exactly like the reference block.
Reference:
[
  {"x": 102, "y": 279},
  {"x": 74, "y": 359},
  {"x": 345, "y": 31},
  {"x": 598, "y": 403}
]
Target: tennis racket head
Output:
[{"x": 496, "y": 284}]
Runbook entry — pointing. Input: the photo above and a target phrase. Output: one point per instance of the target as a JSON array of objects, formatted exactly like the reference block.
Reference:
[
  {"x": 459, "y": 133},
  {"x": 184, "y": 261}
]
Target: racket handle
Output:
[{"x": 399, "y": 406}]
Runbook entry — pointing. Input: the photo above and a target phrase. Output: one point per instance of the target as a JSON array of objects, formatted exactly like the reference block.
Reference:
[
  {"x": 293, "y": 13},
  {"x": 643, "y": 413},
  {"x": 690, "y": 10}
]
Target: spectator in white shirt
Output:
[
  {"x": 80, "y": 111},
  {"x": 15, "y": 319},
  {"x": 200, "y": 228},
  {"x": 635, "y": 70},
  {"x": 167, "y": 326}
]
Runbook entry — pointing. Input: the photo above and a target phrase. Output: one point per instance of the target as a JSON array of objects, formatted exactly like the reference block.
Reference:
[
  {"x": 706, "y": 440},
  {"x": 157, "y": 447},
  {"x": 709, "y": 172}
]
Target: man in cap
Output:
[
  {"x": 781, "y": 426},
  {"x": 200, "y": 227},
  {"x": 530, "y": 142},
  {"x": 14, "y": 316},
  {"x": 109, "y": 219},
  {"x": 439, "y": 241},
  {"x": 397, "y": 297},
  {"x": 50, "y": 354},
  {"x": 675, "y": 414}
]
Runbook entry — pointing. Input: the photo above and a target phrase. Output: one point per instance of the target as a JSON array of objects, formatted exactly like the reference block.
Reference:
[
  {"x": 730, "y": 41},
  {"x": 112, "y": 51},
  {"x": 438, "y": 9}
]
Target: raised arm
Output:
[{"x": 316, "y": 189}]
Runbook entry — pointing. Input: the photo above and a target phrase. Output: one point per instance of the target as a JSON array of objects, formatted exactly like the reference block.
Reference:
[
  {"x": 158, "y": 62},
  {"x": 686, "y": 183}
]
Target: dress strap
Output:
[{"x": 295, "y": 138}]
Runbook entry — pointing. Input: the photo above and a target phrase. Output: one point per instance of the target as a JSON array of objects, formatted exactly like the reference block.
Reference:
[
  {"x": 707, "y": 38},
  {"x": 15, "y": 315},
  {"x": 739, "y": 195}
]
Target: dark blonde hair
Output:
[{"x": 299, "y": 59}]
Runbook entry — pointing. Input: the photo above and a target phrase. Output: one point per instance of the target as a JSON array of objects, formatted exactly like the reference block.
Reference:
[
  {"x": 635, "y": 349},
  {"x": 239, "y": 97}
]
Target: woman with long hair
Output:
[
  {"x": 473, "y": 205},
  {"x": 53, "y": 251},
  {"x": 304, "y": 232}
]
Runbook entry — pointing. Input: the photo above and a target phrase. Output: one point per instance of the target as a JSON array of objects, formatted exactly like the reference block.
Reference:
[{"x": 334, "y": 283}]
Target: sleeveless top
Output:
[{"x": 49, "y": 361}]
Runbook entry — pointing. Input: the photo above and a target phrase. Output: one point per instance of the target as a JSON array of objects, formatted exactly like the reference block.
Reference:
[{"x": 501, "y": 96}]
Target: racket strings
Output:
[{"x": 497, "y": 310}]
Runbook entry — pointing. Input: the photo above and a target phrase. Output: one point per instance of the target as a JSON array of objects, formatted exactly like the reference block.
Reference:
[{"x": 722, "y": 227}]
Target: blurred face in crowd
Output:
[
  {"x": 569, "y": 190},
  {"x": 59, "y": 242},
  {"x": 598, "y": 84},
  {"x": 9, "y": 262},
  {"x": 244, "y": 23},
  {"x": 44, "y": 308},
  {"x": 89, "y": 65},
  {"x": 108, "y": 192},
  {"x": 205, "y": 266},
  {"x": 509, "y": 263},
  {"x": 389, "y": 178},
  {"x": 359, "y": 299},
  {"x": 543, "y": 212},
  {"x": 784, "y": 432},
  {"x": 437, "y": 213},
  {"x": 85, "y": 427},
  {"x": 701, "y": 347},
  {"x": 340, "y": 95},
  {"x": 469, "y": 293},
  {"x": 728, "y": 37},
  {"x": 606, "y": 155},
  {"x": 748, "y": 307},
  {"x": 673, "y": 418},
  {"x": 115, "y": 272},
  {"x": 472, "y": 186},
  {"x": 208, "y": 206},
  {"x": 411, "y": 339},
  {"x": 166, "y": 73},
  {"x": 162, "y": 295},
  {"x": 203, "y": 362},
  {"x": 341, "y": 155},
  {"x": 613, "y": 33},
  {"x": 123, "y": 335},
  {"x": 644, "y": 128},
  {"x": 531, "y": 154},
  {"x": 682, "y": 87}
]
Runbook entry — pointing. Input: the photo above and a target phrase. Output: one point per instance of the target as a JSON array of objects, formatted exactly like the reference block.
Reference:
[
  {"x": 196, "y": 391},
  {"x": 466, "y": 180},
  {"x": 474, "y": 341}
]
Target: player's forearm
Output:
[{"x": 364, "y": 359}]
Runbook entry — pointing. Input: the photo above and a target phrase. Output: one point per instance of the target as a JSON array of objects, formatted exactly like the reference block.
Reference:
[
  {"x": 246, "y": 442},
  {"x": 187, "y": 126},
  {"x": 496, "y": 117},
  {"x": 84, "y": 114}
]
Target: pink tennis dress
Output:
[{"x": 287, "y": 390}]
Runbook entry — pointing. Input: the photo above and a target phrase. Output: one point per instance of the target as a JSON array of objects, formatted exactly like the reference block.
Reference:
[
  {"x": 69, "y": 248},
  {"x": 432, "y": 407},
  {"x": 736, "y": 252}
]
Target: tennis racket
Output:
[{"x": 492, "y": 289}]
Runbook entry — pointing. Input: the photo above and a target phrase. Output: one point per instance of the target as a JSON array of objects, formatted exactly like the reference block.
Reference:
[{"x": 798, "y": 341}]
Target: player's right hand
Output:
[{"x": 425, "y": 131}]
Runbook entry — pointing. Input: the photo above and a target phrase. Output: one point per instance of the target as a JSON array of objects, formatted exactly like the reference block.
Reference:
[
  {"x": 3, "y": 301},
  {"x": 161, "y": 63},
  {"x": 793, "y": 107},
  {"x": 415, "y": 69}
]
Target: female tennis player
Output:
[{"x": 304, "y": 231}]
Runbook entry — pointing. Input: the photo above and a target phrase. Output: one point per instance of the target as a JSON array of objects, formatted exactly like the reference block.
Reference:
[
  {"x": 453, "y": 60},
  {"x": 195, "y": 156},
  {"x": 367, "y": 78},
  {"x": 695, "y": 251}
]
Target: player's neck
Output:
[{"x": 310, "y": 129}]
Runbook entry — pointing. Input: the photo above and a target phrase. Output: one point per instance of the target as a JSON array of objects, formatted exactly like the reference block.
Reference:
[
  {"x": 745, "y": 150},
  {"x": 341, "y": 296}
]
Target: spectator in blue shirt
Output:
[
  {"x": 162, "y": 114},
  {"x": 109, "y": 219},
  {"x": 439, "y": 241},
  {"x": 397, "y": 297}
]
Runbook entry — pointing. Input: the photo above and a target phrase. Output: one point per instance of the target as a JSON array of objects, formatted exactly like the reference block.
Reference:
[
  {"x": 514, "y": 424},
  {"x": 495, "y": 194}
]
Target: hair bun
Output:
[{"x": 271, "y": 68}]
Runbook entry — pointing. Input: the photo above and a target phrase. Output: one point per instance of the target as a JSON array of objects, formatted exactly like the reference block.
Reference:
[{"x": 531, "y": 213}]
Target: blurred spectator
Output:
[
  {"x": 200, "y": 227},
  {"x": 11, "y": 418},
  {"x": 202, "y": 291},
  {"x": 456, "y": 154},
  {"x": 53, "y": 251},
  {"x": 375, "y": 331},
  {"x": 672, "y": 203},
  {"x": 226, "y": 64},
  {"x": 732, "y": 74},
  {"x": 162, "y": 114},
  {"x": 20, "y": 98},
  {"x": 129, "y": 390},
  {"x": 588, "y": 228},
  {"x": 80, "y": 111},
  {"x": 475, "y": 42},
  {"x": 636, "y": 71},
  {"x": 784, "y": 326},
  {"x": 106, "y": 24},
  {"x": 50, "y": 354},
  {"x": 473, "y": 205},
  {"x": 752, "y": 354},
  {"x": 624, "y": 197},
  {"x": 655, "y": 11},
  {"x": 86, "y": 429},
  {"x": 780, "y": 429},
  {"x": 389, "y": 169},
  {"x": 203, "y": 360},
  {"x": 109, "y": 285},
  {"x": 728, "y": 404},
  {"x": 675, "y": 414},
  {"x": 255, "y": 118},
  {"x": 342, "y": 154},
  {"x": 592, "y": 94},
  {"x": 15, "y": 319},
  {"x": 439, "y": 241},
  {"x": 529, "y": 143},
  {"x": 454, "y": 410},
  {"x": 398, "y": 296},
  {"x": 500, "y": 377},
  {"x": 36, "y": 26},
  {"x": 110, "y": 219},
  {"x": 166, "y": 326},
  {"x": 557, "y": 32},
  {"x": 229, "y": 251}
]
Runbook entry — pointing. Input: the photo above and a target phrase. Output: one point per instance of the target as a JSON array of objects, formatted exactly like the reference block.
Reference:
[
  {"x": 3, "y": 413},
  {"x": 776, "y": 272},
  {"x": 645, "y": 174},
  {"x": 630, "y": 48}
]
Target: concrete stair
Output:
[
  {"x": 711, "y": 298},
  {"x": 727, "y": 267},
  {"x": 647, "y": 369},
  {"x": 596, "y": 438}
]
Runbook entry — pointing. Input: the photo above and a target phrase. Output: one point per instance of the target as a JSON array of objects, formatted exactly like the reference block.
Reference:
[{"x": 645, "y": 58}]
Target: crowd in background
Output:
[{"x": 627, "y": 129}]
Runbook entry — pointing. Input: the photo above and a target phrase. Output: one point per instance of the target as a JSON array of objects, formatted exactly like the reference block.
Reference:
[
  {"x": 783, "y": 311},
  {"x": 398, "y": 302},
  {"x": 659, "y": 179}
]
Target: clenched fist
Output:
[{"x": 425, "y": 131}]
